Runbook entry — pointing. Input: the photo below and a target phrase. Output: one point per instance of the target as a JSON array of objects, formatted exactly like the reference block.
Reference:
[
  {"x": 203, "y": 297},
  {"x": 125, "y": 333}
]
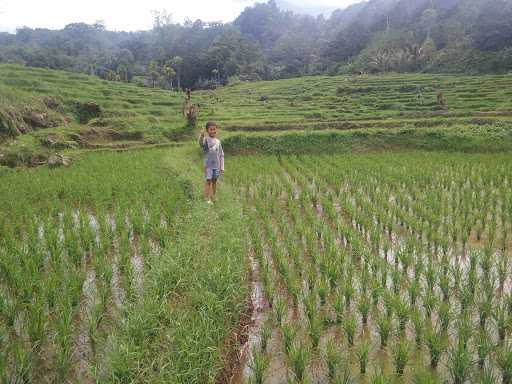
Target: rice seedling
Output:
[
  {"x": 331, "y": 359},
  {"x": 384, "y": 329},
  {"x": 259, "y": 364},
  {"x": 378, "y": 377},
  {"x": 348, "y": 292},
  {"x": 389, "y": 304},
  {"x": 402, "y": 312},
  {"x": 362, "y": 354},
  {"x": 315, "y": 330},
  {"x": 444, "y": 315},
  {"x": 376, "y": 294},
  {"x": 502, "y": 320},
  {"x": 484, "y": 311},
  {"x": 364, "y": 309},
  {"x": 37, "y": 324},
  {"x": 266, "y": 334},
  {"x": 414, "y": 291},
  {"x": 487, "y": 376},
  {"x": 350, "y": 326},
  {"x": 430, "y": 303},
  {"x": 418, "y": 326},
  {"x": 396, "y": 278},
  {"x": 280, "y": 309},
  {"x": 338, "y": 305},
  {"x": 459, "y": 363},
  {"x": 64, "y": 332},
  {"x": 401, "y": 354},
  {"x": 502, "y": 271},
  {"x": 444, "y": 285},
  {"x": 323, "y": 287},
  {"x": 22, "y": 364},
  {"x": 466, "y": 298},
  {"x": 504, "y": 361},
  {"x": 344, "y": 377},
  {"x": 483, "y": 347},
  {"x": 289, "y": 332},
  {"x": 299, "y": 359},
  {"x": 436, "y": 344},
  {"x": 310, "y": 305}
]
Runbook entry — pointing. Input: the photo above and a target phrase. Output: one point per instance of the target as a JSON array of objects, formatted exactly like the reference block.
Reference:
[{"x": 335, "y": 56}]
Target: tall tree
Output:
[
  {"x": 153, "y": 72},
  {"x": 177, "y": 63}
]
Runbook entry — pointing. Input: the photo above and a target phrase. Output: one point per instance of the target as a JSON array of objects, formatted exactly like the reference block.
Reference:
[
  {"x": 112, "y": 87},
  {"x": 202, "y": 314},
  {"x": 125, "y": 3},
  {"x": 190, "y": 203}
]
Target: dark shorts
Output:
[{"x": 211, "y": 173}]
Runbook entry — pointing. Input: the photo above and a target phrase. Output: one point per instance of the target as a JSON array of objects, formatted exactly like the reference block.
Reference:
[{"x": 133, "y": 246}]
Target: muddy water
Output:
[
  {"x": 138, "y": 271},
  {"x": 82, "y": 349},
  {"x": 277, "y": 371},
  {"x": 137, "y": 263},
  {"x": 258, "y": 316},
  {"x": 118, "y": 294},
  {"x": 95, "y": 226}
]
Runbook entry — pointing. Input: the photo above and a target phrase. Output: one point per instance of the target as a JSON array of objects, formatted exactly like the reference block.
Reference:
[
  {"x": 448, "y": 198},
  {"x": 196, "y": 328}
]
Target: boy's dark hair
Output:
[{"x": 211, "y": 124}]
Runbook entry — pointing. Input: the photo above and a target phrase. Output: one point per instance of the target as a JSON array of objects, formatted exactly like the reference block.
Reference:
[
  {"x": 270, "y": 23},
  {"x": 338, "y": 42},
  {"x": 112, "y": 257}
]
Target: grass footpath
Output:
[{"x": 196, "y": 294}]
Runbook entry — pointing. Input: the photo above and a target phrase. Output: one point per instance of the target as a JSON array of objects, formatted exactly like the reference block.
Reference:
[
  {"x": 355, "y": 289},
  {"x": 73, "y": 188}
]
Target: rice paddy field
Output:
[
  {"x": 362, "y": 233},
  {"x": 104, "y": 274},
  {"x": 380, "y": 268}
]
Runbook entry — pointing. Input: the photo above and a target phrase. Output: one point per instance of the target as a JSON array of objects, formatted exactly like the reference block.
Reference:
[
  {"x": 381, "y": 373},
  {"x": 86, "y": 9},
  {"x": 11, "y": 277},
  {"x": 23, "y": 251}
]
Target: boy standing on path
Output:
[{"x": 213, "y": 159}]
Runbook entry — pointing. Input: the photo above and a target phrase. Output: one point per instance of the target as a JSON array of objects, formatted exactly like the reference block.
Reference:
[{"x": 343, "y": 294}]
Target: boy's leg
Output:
[
  {"x": 214, "y": 187},
  {"x": 208, "y": 190},
  {"x": 208, "y": 185}
]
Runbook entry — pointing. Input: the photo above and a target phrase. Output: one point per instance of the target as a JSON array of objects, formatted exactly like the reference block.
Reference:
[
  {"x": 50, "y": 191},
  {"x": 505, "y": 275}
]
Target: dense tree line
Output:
[{"x": 265, "y": 42}]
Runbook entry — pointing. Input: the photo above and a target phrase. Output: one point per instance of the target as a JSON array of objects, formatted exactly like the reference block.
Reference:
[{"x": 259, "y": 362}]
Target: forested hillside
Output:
[{"x": 266, "y": 42}]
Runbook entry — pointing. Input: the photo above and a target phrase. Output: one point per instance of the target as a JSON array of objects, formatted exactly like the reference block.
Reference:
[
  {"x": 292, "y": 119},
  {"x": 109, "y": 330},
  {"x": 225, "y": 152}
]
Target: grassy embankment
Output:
[
  {"x": 50, "y": 109},
  {"x": 352, "y": 113}
]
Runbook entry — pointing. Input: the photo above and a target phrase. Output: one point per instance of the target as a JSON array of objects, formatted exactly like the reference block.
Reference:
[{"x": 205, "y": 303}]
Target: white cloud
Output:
[{"x": 121, "y": 15}]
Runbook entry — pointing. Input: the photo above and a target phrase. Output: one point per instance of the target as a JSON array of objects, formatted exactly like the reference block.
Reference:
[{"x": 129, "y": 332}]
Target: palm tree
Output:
[{"x": 169, "y": 72}]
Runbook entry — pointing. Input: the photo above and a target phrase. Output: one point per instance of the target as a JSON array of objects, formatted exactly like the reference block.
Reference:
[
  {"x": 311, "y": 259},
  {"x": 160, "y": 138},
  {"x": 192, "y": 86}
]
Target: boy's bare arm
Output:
[{"x": 221, "y": 156}]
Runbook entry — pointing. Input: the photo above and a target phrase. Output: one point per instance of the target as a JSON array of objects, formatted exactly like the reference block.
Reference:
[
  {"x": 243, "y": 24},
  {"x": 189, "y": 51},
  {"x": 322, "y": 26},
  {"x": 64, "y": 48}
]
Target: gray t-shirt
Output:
[{"x": 213, "y": 153}]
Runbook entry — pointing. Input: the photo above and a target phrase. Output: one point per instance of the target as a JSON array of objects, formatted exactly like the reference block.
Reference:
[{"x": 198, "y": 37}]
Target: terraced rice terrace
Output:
[
  {"x": 362, "y": 102},
  {"x": 362, "y": 232}
]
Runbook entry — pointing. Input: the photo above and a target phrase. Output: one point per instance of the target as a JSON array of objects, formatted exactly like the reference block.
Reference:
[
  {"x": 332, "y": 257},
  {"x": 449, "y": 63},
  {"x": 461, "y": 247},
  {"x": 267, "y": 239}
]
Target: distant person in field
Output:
[{"x": 213, "y": 159}]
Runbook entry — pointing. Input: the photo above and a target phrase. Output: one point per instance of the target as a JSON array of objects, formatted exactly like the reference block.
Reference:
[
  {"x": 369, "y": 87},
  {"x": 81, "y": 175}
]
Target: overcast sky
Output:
[{"x": 125, "y": 14}]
